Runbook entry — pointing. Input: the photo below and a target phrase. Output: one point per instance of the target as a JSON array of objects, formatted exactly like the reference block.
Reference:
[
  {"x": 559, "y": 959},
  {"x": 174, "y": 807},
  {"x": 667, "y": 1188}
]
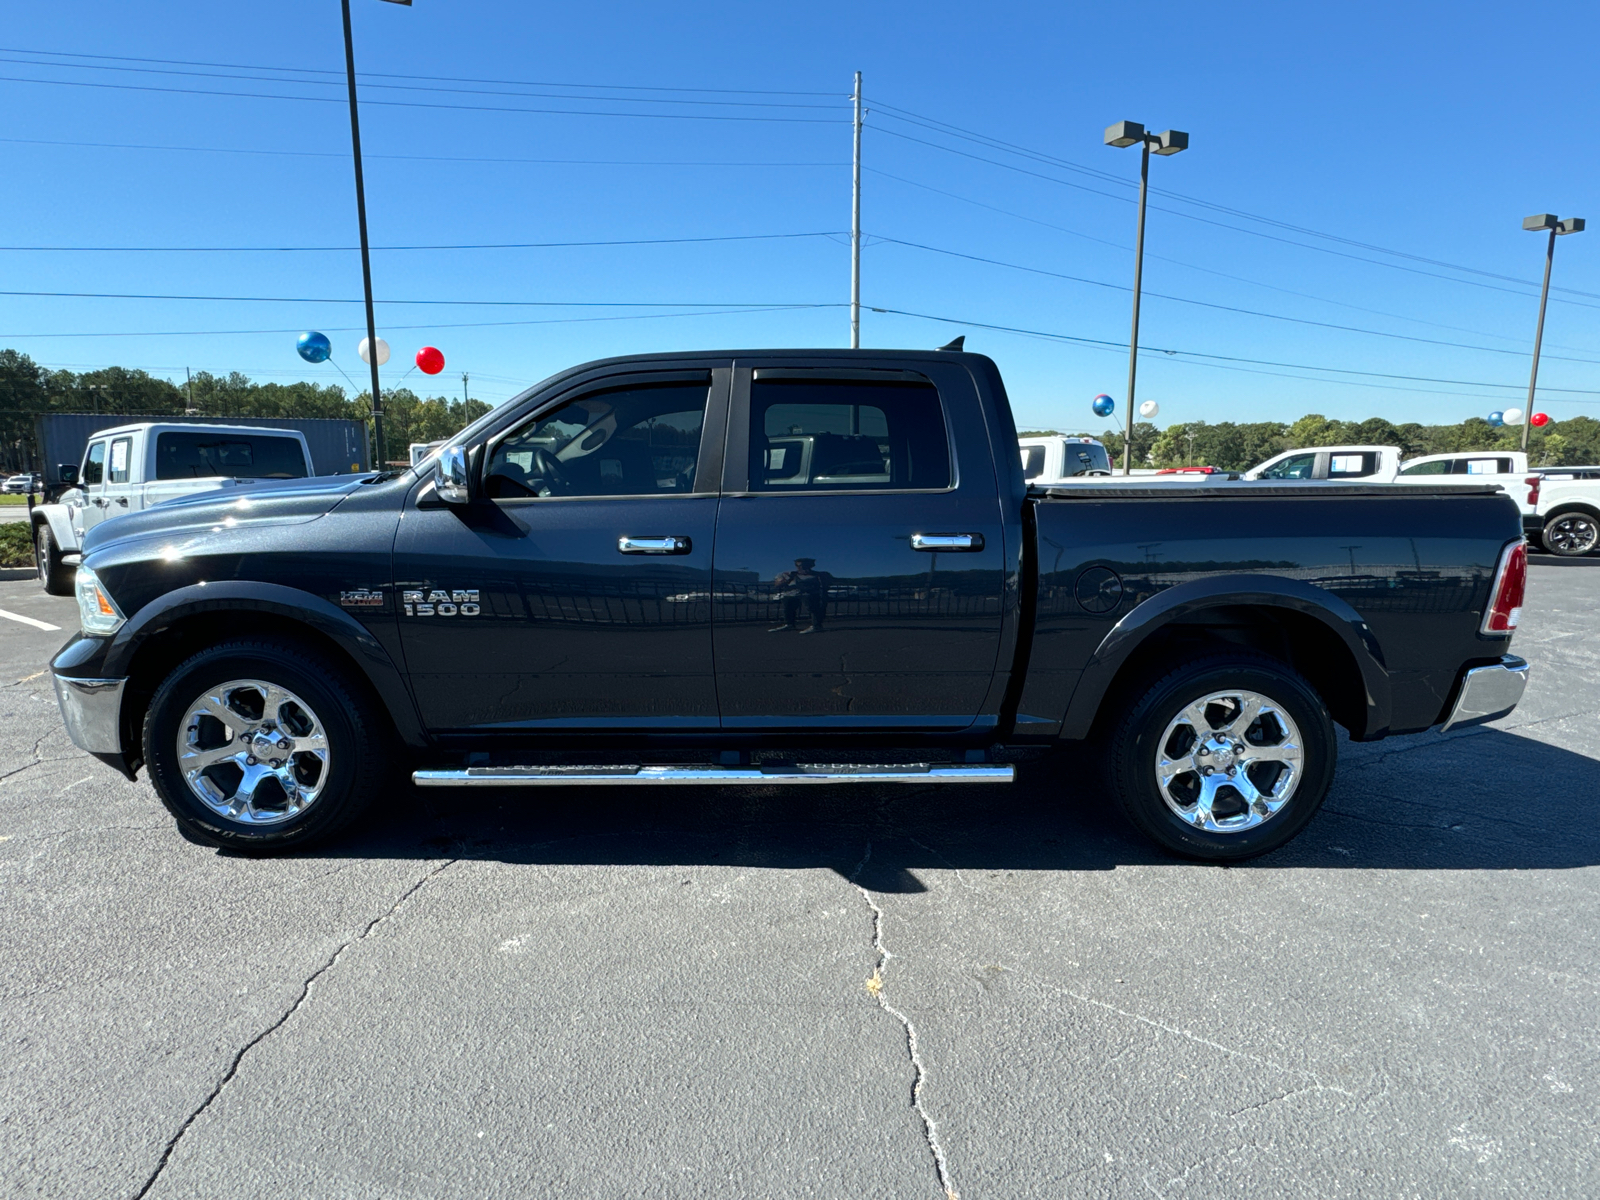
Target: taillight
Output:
[
  {"x": 1510, "y": 582},
  {"x": 1533, "y": 489}
]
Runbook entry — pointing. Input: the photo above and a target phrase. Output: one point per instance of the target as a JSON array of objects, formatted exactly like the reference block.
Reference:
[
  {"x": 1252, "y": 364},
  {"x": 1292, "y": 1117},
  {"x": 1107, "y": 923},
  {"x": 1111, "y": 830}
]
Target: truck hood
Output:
[{"x": 278, "y": 502}]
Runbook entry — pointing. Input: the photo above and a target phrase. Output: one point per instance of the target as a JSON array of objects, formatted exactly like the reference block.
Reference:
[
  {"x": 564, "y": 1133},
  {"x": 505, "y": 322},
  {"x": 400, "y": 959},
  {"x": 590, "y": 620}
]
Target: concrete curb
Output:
[{"x": 8, "y": 574}]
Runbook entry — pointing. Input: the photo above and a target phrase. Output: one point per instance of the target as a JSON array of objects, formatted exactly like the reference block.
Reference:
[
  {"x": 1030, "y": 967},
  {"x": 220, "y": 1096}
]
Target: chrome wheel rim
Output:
[
  {"x": 1574, "y": 534},
  {"x": 253, "y": 752},
  {"x": 1229, "y": 761}
]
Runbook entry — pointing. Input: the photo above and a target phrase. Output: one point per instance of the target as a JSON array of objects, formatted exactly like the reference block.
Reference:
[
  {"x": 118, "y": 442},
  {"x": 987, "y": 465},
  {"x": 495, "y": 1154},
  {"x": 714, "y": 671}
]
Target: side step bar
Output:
[{"x": 700, "y": 775}]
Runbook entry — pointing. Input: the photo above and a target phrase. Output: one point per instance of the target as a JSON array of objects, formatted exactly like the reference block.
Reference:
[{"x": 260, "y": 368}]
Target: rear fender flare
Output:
[
  {"x": 1219, "y": 591},
  {"x": 312, "y": 611}
]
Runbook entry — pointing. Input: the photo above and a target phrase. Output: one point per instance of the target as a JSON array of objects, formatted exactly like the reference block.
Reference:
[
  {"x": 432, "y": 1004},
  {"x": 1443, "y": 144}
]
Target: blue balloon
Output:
[
  {"x": 314, "y": 347},
  {"x": 1497, "y": 418},
  {"x": 1104, "y": 406}
]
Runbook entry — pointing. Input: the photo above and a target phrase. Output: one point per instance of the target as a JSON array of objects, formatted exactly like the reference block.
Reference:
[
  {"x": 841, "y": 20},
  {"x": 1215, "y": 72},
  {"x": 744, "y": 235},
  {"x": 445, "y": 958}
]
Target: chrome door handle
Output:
[
  {"x": 946, "y": 541},
  {"x": 653, "y": 545},
  {"x": 122, "y": 500}
]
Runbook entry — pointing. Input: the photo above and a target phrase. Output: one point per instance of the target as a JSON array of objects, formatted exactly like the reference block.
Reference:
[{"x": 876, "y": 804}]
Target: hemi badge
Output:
[{"x": 361, "y": 598}]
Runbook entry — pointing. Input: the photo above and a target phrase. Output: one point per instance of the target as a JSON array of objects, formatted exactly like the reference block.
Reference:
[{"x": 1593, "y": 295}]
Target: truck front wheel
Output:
[
  {"x": 263, "y": 745},
  {"x": 1223, "y": 758},
  {"x": 53, "y": 573}
]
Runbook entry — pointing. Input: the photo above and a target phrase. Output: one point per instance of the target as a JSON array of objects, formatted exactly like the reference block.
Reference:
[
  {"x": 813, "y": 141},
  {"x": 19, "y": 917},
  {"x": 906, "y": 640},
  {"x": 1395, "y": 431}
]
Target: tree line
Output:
[
  {"x": 27, "y": 389},
  {"x": 1238, "y": 446}
]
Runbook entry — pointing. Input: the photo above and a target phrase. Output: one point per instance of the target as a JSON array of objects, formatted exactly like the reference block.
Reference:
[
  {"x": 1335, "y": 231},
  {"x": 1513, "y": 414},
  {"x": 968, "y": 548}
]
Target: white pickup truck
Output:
[
  {"x": 1054, "y": 458},
  {"x": 132, "y": 467}
]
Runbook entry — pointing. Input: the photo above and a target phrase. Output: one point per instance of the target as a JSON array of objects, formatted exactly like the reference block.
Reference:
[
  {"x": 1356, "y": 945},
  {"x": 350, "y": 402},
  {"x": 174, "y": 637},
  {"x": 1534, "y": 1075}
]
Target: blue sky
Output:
[{"x": 1427, "y": 129}]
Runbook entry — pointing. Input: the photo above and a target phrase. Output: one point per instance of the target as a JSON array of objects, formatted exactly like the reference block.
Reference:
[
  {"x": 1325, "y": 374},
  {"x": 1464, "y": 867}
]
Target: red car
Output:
[{"x": 1190, "y": 471}]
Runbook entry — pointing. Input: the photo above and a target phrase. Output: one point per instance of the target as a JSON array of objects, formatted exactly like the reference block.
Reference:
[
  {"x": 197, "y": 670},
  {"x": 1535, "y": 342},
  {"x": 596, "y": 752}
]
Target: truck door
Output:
[
  {"x": 92, "y": 483},
  {"x": 863, "y": 590},
  {"x": 118, "y": 490},
  {"x": 574, "y": 594}
]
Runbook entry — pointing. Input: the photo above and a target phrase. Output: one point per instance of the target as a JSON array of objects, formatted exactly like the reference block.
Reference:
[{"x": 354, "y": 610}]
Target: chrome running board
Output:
[{"x": 770, "y": 775}]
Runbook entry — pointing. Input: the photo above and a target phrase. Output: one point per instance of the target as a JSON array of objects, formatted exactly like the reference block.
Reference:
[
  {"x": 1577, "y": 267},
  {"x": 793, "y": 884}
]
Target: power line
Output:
[
  {"x": 453, "y": 303},
  {"x": 434, "y": 325},
  {"x": 740, "y": 237},
  {"x": 1224, "y": 225},
  {"x": 1377, "y": 312},
  {"x": 343, "y": 156},
  {"x": 1066, "y": 164},
  {"x": 561, "y": 112},
  {"x": 1225, "y": 358},
  {"x": 1224, "y": 307},
  {"x": 383, "y": 75}
]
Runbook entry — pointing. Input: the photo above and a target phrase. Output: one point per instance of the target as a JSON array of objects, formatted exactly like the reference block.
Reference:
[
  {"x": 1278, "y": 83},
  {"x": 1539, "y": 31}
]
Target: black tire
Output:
[
  {"x": 55, "y": 575},
  {"x": 361, "y": 746},
  {"x": 1135, "y": 744},
  {"x": 1572, "y": 533}
]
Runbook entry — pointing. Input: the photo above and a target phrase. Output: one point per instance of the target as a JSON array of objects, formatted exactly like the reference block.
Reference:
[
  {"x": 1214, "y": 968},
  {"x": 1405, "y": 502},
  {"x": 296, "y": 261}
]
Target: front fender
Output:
[
  {"x": 1238, "y": 590},
  {"x": 59, "y": 518},
  {"x": 313, "y": 611}
]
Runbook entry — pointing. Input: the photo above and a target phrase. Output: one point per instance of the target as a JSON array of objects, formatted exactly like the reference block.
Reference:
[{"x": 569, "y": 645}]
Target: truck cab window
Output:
[
  {"x": 209, "y": 456},
  {"x": 1032, "y": 462},
  {"x": 1438, "y": 467},
  {"x": 636, "y": 441},
  {"x": 1352, "y": 466},
  {"x": 1296, "y": 466},
  {"x": 846, "y": 435},
  {"x": 121, "y": 453},
  {"x": 94, "y": 465}
]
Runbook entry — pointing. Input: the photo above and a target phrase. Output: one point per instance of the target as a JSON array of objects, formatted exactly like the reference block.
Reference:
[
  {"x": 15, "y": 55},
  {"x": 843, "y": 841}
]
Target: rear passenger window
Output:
[
  {"x": 1032, "y": 462},
  {"x": 1352, "y": 466},
  {"x": 120, "y": 453},
  {"x": 1488, "y": 466},
  {"x": 846, "y": 435}
]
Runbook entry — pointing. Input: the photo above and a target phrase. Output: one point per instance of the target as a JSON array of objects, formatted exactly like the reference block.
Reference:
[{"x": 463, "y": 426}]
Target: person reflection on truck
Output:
[{"x": 805, "y": 584}]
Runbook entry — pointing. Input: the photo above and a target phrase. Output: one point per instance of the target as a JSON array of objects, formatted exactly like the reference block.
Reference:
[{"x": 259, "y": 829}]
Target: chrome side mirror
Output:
[{"x": 450, "y": 475}]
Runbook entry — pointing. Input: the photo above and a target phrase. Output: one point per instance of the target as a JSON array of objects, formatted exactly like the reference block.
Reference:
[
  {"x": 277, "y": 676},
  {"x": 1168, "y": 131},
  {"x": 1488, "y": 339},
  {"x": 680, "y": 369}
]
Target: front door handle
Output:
[
  {"x": 935, "y": 542},
  {"x": 653, "y": 545}
]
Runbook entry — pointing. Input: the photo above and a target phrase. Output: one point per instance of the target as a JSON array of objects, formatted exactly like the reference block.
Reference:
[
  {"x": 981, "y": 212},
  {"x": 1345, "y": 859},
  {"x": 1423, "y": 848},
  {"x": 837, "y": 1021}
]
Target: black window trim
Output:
[
  {"x": 736, "y": 465},
  {"x": 708, "y": 468}
]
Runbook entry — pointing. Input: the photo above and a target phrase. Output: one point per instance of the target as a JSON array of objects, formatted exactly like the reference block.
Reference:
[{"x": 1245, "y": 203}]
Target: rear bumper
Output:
[
  {"x": 1532, "y": 526},
  {"x": 1488, "y": 692},
  {"x": 91, "y": 709}
]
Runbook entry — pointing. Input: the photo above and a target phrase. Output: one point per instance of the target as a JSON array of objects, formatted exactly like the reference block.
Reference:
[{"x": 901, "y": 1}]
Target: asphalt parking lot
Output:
[{"x": 837, "y": 992}]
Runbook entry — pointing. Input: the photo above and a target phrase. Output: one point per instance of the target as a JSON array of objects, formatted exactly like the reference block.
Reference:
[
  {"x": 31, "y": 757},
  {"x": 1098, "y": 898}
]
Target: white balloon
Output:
[
  {"x": 1149, "y": 408},
  {"x": 383, "y": 351},
  {"x": 1512, "y": 416}
]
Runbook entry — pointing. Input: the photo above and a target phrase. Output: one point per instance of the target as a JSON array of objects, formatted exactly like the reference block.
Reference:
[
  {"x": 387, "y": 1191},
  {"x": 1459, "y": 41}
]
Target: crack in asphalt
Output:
[
  {"x": 930, "y": 1127},
  {"x": 305, "y": 992}
]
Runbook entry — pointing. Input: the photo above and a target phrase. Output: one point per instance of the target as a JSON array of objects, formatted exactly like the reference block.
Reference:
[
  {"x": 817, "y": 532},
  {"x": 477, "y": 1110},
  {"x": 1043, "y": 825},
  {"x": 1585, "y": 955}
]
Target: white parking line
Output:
[{"x": 45, "y": 625}]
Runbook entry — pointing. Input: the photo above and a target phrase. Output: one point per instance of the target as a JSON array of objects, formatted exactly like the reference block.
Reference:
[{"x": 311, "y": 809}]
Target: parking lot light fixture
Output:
[
  {"x": 1539, "y": 223},
  {"x": 1168, "y": 142}
]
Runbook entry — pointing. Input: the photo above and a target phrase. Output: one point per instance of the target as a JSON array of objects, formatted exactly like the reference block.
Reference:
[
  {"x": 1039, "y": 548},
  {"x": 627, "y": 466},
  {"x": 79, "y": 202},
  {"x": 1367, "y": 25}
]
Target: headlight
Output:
[{"x": 97, "y": 611}]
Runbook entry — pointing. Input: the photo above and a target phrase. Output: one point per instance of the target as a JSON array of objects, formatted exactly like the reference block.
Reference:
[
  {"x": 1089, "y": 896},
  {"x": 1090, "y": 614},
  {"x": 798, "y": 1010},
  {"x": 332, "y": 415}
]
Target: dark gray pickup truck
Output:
[{"x": 779, "y": 567}]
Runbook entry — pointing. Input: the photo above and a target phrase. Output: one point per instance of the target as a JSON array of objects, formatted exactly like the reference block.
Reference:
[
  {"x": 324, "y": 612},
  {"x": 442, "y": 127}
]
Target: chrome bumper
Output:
[
  {"x": 1488, "y": 692},
  {"x": 92, "y": 711}
]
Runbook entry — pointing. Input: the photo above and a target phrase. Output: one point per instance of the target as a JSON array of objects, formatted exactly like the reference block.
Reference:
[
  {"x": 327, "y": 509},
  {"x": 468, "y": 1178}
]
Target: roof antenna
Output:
[{"x": 955, "y": 344}]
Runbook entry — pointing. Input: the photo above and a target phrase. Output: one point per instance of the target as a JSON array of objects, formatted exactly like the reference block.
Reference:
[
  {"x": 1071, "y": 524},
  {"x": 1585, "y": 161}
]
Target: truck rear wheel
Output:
[
  {"x": 53, "y": 573},
  {"x": 1571, "y": 534},
  {"x": 258, "y": 745},
  {"x": 1223, "y": 758}
]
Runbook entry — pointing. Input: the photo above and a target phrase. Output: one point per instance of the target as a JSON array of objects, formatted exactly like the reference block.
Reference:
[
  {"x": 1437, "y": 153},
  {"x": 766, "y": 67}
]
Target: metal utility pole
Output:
[
  {"x": 366, "y": 256},
  {"x": 1556, "y": 227},
  {"x": 188, "y": 379},
  {"x": 464, "y": 396},
  {"x": 855, "y": 227},
  {"x": 1126, "y": 133}
]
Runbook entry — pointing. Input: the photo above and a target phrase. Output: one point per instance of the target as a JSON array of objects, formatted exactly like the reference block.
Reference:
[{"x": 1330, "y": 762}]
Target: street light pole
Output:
[
  {"x": 1534, "y": 224},
  {"x": 1127, "y": 133},
  {"x": 855, "y": 227},
  {"x": 366, "y": 255}
]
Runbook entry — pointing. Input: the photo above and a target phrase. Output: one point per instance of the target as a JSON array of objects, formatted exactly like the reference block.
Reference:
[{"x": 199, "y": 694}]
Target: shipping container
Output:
[{"x": 338, "y": 447}]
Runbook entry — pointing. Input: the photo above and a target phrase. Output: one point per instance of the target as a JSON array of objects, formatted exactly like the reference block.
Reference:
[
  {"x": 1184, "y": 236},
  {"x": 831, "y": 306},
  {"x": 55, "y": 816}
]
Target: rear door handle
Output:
[
  {"x": 934, "y": 542},
  {"x": 653, "y": 545}
]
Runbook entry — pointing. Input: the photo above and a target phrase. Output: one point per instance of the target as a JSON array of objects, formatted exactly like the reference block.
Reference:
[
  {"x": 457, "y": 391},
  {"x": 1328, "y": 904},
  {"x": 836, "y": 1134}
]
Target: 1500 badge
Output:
[{"x": 438, "y": 603}]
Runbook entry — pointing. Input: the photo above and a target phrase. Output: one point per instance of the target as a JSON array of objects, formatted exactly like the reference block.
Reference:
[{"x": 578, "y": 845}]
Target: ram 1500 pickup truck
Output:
[{"x": 778, "y": 567}]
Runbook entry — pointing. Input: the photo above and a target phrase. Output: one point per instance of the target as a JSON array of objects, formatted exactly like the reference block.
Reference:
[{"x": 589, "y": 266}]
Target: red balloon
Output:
[
  {"x": 430, "y": 361},
  {"x": 1539, "y": 419}
]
